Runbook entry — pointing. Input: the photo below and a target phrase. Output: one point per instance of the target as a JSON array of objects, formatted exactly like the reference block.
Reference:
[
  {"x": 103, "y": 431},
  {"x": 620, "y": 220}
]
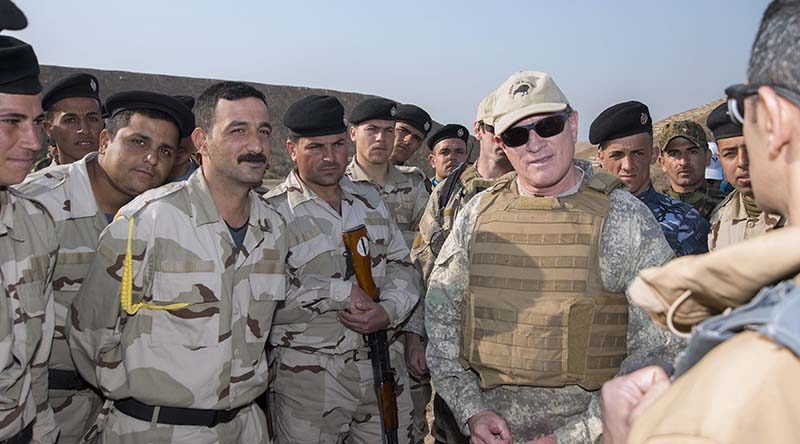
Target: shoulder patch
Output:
[
  {"x": 604, "y": 183},
  {"x": 42, "y": 181}
]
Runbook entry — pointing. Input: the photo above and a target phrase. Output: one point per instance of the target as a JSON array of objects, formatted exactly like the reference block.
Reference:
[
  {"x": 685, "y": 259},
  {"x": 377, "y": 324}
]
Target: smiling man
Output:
[
  {"x": 136, "y": 153},
  {"x": 624, "y": 136}
]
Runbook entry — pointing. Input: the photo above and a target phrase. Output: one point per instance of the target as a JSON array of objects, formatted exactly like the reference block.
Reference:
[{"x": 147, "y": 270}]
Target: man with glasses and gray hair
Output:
[
  {"x": 525, "y": 310},
  {"x": 737, "y": 380}
]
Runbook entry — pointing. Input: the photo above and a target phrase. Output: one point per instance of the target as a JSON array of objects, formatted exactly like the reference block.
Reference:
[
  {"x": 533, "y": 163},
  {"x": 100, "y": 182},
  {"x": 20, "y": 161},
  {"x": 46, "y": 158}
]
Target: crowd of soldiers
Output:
[{"x": 155, "y": 292}]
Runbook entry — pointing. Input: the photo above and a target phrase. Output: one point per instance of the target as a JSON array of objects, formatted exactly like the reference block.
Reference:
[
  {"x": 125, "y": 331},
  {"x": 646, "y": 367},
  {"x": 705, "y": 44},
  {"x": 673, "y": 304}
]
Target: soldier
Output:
[
  {"x": 322, "y": 391},
  {"x": 738, "y": 380},
  {"x": 448, "y": 147},
  {"x": 196, "y": 264},
  {"x": 738, "y": 217},
  {"x": 28, "y": 248},
  {"x": 683, "y": 156},
  {"x": 185, "y": 163},
  {"x": 623, "y": 134},
  {"x": 550, "y": 232},
  {"x": 135, "y": 154},
  {"x": 412, "y": 126},
  {"x": 73, "y": 119}
]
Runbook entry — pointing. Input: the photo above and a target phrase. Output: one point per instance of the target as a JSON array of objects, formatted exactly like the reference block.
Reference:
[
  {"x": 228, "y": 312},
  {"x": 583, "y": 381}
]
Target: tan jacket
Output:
[
  {"x": 730, "y": 223},
  {"x": 746, "y": 390}
]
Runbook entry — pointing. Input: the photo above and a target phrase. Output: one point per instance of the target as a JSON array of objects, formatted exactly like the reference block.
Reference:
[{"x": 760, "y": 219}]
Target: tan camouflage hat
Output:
[
  {"x": 683, "y": 128},
  {"x": 485, "y": 110},
  {"x": 524, "y": 94}
]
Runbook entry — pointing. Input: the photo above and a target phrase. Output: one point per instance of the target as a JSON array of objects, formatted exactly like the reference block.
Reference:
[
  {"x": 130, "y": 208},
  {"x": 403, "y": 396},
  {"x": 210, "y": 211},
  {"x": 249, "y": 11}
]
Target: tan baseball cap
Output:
[
  {"x": 485, "y": 113},
  {"x": 524, "y": 94}
]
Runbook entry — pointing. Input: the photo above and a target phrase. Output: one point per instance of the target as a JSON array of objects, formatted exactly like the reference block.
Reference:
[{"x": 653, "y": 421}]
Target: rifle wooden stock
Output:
[{"x": 356, "y": 243}]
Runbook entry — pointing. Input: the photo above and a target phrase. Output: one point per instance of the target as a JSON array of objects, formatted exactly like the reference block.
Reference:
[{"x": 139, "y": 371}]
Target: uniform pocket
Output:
[{"x": 28, "y": 319}]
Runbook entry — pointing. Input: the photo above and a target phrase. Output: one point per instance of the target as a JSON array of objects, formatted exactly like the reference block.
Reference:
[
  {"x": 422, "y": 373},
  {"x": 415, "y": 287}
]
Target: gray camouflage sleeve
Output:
[{"x": 446, "y": 288}]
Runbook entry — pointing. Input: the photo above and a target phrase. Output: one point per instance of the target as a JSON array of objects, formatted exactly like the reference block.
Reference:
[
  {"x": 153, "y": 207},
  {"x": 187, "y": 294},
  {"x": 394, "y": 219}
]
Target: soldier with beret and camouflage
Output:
[
  {"x": 683, "y": 156},
  {"x": 448, "y": 147},
  {"x": 136, "y": 153},
  {"x": 74, "y": 119},
  {"x": 544, "y": 253},
  {"x": 738, "y": 217},
  {"x": 28, "y": 246},
  {"x": 172, "y": 321},
  {"x": 623, "y": 134},
  {"x": 410, "y": 129},
  {"x": 323, "y": 385}
]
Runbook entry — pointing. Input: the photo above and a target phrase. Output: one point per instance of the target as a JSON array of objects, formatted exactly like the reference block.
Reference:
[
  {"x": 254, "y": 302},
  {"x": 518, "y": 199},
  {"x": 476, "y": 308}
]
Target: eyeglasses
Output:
[
  {"x": 737, "y": 94},
  {"x": 547, "y": 127}
]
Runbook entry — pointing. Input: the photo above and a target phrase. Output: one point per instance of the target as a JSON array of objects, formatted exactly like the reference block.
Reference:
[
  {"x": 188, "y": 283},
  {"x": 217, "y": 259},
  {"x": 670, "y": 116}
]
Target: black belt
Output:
[
  {"x": 25, "y": 436},
  {"x": 66, "y": 380},
  {"x": 176, "y": 415}
]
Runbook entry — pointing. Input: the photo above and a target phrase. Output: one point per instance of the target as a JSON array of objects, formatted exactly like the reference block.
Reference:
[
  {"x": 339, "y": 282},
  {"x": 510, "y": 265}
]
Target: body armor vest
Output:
[{"x": 536, "y": 312}]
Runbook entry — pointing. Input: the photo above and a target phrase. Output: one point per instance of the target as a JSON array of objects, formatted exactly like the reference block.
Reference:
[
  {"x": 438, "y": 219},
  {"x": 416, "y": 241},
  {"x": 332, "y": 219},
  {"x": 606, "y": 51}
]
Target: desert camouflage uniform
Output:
[
  {"x": 631, "y": 240},
  {"x": 28, "y": 249},
  {"x": 731, "y": 223},
  {"x": 209, "y": 352},
  {"x": 322, "y": 391},
  {"x": 684, "y": 227},
  {"x": 67, "y": 194},
  {"x": 703, "y": 199}
]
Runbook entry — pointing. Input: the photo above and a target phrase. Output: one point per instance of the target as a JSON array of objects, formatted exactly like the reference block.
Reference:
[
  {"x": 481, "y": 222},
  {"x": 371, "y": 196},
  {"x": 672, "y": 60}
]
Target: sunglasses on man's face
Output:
[
  {"x": 547, "y": 127},
  {"x": 737, "y": 94}
]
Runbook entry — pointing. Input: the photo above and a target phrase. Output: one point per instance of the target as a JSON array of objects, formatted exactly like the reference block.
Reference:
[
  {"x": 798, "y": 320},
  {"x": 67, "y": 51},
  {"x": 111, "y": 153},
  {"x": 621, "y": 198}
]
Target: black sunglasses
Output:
[
  {"x": 547, "y": 127},
  {"x": 737, "y": 94}
]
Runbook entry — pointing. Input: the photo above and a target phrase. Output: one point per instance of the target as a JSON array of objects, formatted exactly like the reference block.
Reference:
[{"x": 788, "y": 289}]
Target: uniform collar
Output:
[
  {"x": 297, "y": 192},
  {"x": 6, "y": 212},
  {"x": 394, "y": 177},
  {"x": 80, "y": 187}
]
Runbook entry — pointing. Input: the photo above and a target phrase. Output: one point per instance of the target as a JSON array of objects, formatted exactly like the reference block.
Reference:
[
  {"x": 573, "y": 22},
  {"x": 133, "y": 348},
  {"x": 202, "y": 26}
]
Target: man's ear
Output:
[
  {"x": 661, "y": 162},
  {"x": 291, "y": 148},
  {"x": 770, "y": 115},
  {"x": 103, "y": 141},
  {"x": 200, "y": 140},
  {"x": 431, "y": 162},
  {"x": 352, "y": 132}
]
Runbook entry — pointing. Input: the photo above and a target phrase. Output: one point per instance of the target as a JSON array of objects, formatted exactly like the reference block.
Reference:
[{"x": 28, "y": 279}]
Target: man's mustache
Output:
[{"x": 252, "y": 157}]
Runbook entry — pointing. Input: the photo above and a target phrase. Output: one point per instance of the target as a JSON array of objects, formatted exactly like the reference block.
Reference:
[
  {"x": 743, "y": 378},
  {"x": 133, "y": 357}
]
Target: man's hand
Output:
[
  {"x": 364, "y": 315},
  {"x": 487, "y": 427},
  {"x": 415, "y": 355},
  {"x": 624, "y": 398}
]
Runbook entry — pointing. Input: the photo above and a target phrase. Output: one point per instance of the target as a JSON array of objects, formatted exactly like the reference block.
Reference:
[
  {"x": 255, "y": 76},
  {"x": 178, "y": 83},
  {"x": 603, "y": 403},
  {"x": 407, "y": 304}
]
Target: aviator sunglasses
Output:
[
  {"x": 738, "y": 93},
  {"x": 547, "y": 127}
]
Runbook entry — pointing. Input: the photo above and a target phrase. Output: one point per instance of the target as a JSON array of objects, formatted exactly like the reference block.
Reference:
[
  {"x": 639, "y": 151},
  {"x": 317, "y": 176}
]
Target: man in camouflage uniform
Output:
[
  {"x": 738, "y": 217},
  {"x": 412, "y": 126},
  {"x": 684, "y": 155},
  {"x": 624, "y": 135},
  {"x": 83, "y": 197},
  {"x": 27, "y": 253},
  {"x": 448, "y": 147},
  {"x": 405, "y": 190},
  {"x": 553, "y": 232},
  {"x": 322, "y": 389},
  {"x": 172, "y": 320}
]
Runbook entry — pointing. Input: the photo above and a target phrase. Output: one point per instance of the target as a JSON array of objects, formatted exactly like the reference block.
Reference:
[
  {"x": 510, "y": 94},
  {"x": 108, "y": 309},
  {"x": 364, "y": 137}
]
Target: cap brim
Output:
[
  {"x": 690, "y": 139},
  {"x": 319, "y": 132},
  {"x": 504, "y": 122}
]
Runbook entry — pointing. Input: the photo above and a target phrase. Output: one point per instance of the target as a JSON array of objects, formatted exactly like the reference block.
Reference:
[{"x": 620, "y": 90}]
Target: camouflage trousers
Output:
[
  {"x": 445, "y": 429},
  {"x": 320, "y": 398},
  {"x": 421, "y": 393},
  {"x": 75, "y": 412},
  {"x": 249, "y": 426}
]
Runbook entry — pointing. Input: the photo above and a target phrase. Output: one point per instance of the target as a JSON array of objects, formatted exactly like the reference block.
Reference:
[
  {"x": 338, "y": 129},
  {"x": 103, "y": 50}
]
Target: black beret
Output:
[
  {"x": 186, "y": 100},
  {"x": 449, "y": 131},
  {"x": 133, "y": 100},
  {"x": 414, "y": 116},
  {"x": 719, "y": 122},
  {"x": 621, "y": 120},
  {"x": 373, "y": 109},
  {"x": 315, "y": 115},
  {"x": 11, "y": 17},
  {"x": 20, "y": 68},
  {"x": 76, "y": 85}
]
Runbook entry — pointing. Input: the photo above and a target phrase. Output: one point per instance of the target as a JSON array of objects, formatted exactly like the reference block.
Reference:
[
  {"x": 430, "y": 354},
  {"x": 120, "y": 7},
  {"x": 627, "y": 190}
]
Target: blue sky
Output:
[{"x": 441, "y": 55}]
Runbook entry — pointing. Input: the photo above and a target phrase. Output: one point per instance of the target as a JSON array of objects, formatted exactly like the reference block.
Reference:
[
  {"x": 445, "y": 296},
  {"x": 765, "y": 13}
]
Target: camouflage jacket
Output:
[
  {"x": 28, "y": 247},
  {"x": 703, "y": 199},
  {"x": 683, "y": 226},
  {"x": 730, "y": 223},
  {"x": 406, "y": 193},
  {"x": 631, "y": 240},
  {"x": 316, "y": 266},
  {"x": 67, "y": 194},
  {"x": 193, "y": 330}
]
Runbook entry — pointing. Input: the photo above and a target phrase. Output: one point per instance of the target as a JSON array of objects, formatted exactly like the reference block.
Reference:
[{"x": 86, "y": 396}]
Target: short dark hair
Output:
[
  {"x": 207, "y": 102},
  {"x": 775, "y": 56},
  {"x": 123, "y": 119}
]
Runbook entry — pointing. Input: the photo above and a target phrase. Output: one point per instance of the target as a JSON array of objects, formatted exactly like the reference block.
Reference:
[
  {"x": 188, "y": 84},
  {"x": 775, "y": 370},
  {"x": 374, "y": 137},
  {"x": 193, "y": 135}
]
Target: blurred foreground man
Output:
[
  {"x": 28, "y": 247},
  {"x": 624, "y": 135},
  {"x": 738, "y": 217},
  {"x": 542, "y": 253},
  {"x": 171, "y": 323},
  {"x": 737, "y": 381},
  {"x": 448, "y": 147},
  {"x": 412, "y": 126},
  {"x": 323, "y": 383},
  {"x": 136, "y": 153}
]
